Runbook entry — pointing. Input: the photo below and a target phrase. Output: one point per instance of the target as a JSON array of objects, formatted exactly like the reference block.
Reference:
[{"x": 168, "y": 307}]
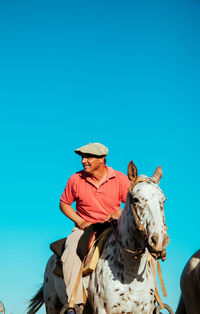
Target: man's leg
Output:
[{"x": 71, "y": 265}]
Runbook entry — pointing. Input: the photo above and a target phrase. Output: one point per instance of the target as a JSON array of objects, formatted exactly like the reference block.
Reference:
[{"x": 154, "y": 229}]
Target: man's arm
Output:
[
  {"x": 124, "y": 185},
  {"x": 71, "y": 214}
]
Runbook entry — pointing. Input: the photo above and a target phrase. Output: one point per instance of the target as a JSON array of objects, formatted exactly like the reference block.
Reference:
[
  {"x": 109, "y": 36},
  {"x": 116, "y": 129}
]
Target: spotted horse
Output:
[{"x": 123, "y": 281}]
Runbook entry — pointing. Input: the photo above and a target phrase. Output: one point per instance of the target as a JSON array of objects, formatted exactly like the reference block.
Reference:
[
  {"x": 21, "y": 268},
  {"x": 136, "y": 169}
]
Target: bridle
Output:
[{"x": 139, "y": 226}]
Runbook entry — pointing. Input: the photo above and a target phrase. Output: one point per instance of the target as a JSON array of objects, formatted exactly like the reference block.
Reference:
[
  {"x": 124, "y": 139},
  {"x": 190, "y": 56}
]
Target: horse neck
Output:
[
  {"x": 130, "y": 238},
  {"x": 127, "y": 231}
]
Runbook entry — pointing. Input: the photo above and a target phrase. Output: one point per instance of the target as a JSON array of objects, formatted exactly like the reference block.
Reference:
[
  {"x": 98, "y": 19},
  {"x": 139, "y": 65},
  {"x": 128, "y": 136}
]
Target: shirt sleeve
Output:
[
  {"x": 68, "y": 196},
  {"x": 125, "y": 184}
]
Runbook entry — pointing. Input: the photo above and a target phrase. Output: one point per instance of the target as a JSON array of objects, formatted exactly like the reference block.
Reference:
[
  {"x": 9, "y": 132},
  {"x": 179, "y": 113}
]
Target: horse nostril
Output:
[{"x": 154, "y": 239}]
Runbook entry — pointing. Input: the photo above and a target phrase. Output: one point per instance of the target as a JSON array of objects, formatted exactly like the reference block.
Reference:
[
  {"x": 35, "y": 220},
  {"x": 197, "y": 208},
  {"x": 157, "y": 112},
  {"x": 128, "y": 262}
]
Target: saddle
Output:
[
  {"x": 89, "y": 247},
  {"x": 96, "y": 245}
]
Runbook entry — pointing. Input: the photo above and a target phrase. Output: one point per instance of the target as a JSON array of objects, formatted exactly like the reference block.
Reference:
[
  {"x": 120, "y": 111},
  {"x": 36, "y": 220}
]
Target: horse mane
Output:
[{"x": 36, "y": 302}]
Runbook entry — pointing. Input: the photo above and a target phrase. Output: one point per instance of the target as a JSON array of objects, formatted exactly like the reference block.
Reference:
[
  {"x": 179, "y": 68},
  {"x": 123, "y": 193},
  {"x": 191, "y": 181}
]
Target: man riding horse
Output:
[
  {"x": 98, "y": 191},
  {"x": 123, "y": 279}
]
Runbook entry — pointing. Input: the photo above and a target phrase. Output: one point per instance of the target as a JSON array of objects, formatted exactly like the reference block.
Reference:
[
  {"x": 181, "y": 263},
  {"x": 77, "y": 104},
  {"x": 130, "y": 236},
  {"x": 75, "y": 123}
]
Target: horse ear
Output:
[
  {"x": 132, "y": 171},
  {"x": 157, "y": 175}
]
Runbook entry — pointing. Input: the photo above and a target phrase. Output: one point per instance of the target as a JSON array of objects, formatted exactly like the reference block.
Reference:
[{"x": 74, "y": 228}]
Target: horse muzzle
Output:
[{"x": 155, "y": 243}]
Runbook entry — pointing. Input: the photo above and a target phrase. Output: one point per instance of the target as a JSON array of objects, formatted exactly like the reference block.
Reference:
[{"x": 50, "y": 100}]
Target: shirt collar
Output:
[{"x": 110, "y": 173}]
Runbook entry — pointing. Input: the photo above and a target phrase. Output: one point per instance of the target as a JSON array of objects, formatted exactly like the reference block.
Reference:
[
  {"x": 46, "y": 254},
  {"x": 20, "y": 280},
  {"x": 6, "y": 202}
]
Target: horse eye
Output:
[{"x": 135, "y": 200}]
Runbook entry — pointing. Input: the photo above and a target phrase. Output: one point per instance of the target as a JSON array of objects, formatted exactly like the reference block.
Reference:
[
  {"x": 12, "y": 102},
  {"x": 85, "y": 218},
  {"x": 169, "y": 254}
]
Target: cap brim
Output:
[{"x": 78, "y": 152}]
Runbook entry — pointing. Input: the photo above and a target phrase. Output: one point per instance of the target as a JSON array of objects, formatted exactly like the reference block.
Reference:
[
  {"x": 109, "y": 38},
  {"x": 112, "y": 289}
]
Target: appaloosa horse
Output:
[
  {"x": 190, "y": 287},
  {"x": 123, "y": 281}
]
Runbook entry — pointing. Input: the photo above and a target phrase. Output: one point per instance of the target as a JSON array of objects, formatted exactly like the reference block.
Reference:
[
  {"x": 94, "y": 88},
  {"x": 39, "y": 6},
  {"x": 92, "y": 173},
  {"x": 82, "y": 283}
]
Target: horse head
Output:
[{"x": 146, "y": 201}]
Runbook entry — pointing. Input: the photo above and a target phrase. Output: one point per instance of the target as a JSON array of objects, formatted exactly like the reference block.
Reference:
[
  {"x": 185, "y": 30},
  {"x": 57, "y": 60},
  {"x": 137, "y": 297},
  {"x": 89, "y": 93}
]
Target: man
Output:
[{"x": 98, "y": 191}]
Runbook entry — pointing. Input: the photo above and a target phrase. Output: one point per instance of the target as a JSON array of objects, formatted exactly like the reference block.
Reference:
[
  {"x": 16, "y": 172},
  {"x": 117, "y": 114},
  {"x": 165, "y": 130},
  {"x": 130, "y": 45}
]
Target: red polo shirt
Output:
[{"x": 95, "y": 204}]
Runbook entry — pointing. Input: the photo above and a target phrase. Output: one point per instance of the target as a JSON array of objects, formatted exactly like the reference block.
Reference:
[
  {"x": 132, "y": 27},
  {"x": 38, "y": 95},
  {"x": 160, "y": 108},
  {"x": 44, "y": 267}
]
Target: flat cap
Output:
[{"x": 95, "y": 149}]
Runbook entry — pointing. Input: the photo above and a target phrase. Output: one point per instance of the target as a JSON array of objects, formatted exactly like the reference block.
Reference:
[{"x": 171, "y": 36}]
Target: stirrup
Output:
[
  {"x": 71, "y": 310},
  {"x": 66, "y": 309}
]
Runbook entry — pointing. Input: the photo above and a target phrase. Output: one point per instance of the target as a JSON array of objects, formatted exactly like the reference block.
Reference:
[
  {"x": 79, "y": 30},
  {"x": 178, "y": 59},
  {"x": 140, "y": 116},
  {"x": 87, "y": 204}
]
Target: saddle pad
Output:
[{"x": 92, "y": 257}]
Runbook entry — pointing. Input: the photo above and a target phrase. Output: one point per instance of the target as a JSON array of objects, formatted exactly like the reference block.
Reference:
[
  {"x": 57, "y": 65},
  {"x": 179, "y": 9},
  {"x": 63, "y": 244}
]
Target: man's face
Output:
[{"x": 91, "y": 163}]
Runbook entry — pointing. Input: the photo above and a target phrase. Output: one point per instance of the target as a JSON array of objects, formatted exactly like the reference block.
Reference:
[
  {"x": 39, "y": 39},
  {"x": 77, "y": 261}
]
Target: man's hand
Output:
[
  {"x": 71, "y": 214},
  {"x": 115, "y": 215},
  {"x": 83, "y": 224}
]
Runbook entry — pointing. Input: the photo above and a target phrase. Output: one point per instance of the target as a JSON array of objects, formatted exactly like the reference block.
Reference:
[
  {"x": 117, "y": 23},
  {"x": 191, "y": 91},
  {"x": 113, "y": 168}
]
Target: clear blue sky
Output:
[{"x": 124, "y": 73}]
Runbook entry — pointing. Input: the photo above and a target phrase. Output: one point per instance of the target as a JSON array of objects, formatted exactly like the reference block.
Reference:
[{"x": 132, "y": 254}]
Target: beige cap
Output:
[{"x": 95, "y": 149}]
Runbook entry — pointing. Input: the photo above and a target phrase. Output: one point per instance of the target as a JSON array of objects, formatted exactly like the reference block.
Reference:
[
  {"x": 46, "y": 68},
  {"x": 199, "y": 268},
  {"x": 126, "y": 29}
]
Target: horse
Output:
[
  {"x": 189, "y": 302},
  {"x": 123, "y": 281}
]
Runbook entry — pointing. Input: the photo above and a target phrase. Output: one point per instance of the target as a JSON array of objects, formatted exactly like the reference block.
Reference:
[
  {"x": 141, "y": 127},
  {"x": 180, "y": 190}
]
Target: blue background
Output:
[{"x": 123, "y": 73}]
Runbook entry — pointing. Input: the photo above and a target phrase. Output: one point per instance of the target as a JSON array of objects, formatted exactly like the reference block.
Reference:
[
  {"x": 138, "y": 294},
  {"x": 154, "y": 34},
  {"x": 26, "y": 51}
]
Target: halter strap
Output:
[
  {"x": 139, "y": 226},
  {"x": 138, "y": 180}
]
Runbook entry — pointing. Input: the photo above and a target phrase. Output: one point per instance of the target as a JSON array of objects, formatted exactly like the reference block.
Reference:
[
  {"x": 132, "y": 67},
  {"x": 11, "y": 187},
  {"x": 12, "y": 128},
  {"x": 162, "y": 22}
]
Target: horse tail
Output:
[
  {"x": 36, "y": 302},
  {"x": 181, "y": 306}
]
